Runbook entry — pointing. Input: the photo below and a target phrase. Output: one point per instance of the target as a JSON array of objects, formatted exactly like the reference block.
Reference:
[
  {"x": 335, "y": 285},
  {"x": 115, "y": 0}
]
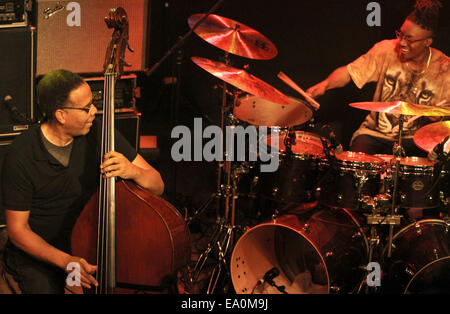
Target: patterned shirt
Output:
[{"x": 395, "y": 82}]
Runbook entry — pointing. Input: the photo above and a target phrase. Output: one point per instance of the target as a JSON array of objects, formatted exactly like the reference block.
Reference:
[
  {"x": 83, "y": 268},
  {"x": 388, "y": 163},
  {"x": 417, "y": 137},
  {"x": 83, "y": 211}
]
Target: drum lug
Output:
[
  {"x": 275, "y": 191},
  {"x": 402, "y": 198},
  {"x": 447, "y": 225},
  {"x": 306, "y": 228},
  {"x": 409, "y": 271},
  {"x": 335, "y": 289},
  {"x": 418, "y": 229},
  {"x": 356, "y": 235},
  {"x": 436, "y": 255}
]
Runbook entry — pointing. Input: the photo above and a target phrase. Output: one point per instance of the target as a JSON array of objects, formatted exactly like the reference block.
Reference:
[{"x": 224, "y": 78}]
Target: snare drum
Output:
[
  {"x": 296, "y": 178},
  {"x": 354, "y": 175}
]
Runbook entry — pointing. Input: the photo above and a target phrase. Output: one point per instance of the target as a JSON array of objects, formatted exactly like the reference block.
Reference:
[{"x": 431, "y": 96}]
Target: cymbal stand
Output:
[
  {"x": 392, "y": 219},
  {"x": 223, "y": 236},
  {"x": 376, "y": 205}
]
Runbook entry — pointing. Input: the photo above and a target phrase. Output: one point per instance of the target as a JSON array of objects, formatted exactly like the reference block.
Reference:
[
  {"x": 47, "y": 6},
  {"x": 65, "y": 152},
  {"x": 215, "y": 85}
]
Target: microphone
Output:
[
  {"x": 335, "y": 143},
  {"x": 269, "y": 275},
  {"x": 16, "y": 115},
  {"x": 438, "y": 150}
]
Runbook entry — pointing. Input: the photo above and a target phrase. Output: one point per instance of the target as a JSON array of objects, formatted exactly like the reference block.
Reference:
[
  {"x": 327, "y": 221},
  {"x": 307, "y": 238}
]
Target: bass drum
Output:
[
  {"x": 420, "y": 259},
  {"x": 320, "y": 251}
]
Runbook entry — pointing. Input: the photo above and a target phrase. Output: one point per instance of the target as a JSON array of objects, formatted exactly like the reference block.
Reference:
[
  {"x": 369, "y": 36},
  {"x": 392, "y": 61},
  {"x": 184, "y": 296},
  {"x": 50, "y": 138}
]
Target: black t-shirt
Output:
[{"x": 55, "y": 195}]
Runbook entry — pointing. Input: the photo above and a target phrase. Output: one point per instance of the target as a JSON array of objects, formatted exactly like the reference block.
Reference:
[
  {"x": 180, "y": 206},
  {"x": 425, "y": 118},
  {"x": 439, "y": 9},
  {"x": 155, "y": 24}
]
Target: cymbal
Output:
[
  {"x": 242, "y": 80},
  {"x": 432, "y": 134},
  {"x": 233, "y": 37},
  {"x": 402, "y": 107}
]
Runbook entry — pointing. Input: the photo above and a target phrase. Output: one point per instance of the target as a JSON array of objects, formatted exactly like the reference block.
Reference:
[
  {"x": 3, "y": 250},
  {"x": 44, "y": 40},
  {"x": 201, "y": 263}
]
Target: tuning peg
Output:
[
  {"x": 129, "y": 48},
  {"x": 124, "y": 63}
]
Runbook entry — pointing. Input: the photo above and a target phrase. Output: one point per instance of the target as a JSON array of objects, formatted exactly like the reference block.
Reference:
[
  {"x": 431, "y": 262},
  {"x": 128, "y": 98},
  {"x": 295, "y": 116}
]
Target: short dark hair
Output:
[
  {"x": 53, "y": 90},
  {"x": 426, "y": 14}
]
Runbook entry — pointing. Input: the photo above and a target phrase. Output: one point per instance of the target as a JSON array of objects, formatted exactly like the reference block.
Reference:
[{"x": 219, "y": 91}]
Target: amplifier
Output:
[
  {"x": 128, "y": 124},
  {"x": 16, "y": 80},
  {"x": 72, "y": 35},
  {"x": 13, "y": 12},
  {"x": 124, "y": 92}
]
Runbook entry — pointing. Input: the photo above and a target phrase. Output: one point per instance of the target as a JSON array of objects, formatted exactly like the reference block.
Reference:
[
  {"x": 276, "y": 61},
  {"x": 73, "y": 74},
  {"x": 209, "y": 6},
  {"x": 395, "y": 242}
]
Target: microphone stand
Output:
[
  {"x": 149, "y": 72},
  {"x": 282, "y": 289}
]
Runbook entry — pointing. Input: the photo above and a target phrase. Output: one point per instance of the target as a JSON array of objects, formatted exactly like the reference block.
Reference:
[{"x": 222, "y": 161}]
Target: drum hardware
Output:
[
  {"x": 289, "y": 141},
  {"x": 400, "y": 108},
  {"x": 235, "y": 38},
  {"x": 399, "y": 152}
]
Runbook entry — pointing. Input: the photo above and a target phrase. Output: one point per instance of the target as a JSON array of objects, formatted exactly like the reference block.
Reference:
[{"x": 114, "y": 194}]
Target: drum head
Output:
[
  {"x": 261, "y": 112},
  {"x": 302, "y": 269},
  {"x": 318, "y": 252},
  {"x": 358, "y": 157},
  {"x": 420, "y": 261},
  {"x": 306, "y": 143},
  {"x": 417, "y": 161}
]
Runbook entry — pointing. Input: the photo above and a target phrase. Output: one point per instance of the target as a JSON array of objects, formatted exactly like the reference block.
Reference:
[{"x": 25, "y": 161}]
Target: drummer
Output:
[{"x": 406, "y": 69}]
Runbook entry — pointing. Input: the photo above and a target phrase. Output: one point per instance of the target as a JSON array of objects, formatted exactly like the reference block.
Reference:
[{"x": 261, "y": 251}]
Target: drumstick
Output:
[{"x": 291, "y": 83}]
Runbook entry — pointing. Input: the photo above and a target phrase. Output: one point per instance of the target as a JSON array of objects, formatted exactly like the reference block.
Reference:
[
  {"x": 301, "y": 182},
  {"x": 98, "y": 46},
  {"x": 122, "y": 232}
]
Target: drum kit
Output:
[{"x": 333, "y": 214}]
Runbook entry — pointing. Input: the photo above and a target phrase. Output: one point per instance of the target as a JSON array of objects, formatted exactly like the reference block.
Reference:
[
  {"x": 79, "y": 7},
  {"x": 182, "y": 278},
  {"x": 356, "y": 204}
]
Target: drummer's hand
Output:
[
  {"x": 317, "y": 90},
  {"x": 117, "y": 165},
  {"x": 86, "y": 271}
]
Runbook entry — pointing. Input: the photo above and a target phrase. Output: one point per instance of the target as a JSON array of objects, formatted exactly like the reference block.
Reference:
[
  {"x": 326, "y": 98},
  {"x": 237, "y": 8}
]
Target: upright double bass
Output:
[{"x": 135, "y": 238}]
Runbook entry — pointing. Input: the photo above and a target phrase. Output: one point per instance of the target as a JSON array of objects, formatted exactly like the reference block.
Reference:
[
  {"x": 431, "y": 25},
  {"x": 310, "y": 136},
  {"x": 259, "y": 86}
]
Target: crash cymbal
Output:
[
  {"x": 402, "y": 107},
  {"x": 432, "y": 134},
  {"x": 233, "y": 37},
  {"x": 242, "y": 80}
]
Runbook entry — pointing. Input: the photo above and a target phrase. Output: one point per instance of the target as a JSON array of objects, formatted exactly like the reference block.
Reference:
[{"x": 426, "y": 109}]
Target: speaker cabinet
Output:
[
  {"x": 73, "y": 35},
  {"x": 16, "y": 79},
  {"x": 128, "y": 124}
]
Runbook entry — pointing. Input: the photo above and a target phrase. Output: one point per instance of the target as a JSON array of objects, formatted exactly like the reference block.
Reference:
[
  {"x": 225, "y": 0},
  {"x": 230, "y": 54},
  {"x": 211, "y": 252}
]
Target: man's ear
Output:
[
  {"x": 429, "y": 41},
  {"x": 60, "y": 116}
]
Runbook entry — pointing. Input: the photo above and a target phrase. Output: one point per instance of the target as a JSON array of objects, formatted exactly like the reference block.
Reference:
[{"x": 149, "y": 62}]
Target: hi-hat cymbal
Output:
[
  {"x": 432, "y": 134},
  {"x": 233, "y": 37},
  {"x": 402, "y": 107},
  {"x": 242, "y": 80}
]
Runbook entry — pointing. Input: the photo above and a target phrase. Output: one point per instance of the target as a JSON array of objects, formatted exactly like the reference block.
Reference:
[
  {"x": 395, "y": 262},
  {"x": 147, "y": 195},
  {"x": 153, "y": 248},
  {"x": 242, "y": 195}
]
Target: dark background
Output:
[{"x": 312, "y": 37}]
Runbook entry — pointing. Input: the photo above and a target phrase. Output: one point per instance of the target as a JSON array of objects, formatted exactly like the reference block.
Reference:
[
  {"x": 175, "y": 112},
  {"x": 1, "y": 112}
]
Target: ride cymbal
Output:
[
  {"x": 233, "y": 37},
  {"x": 432, "y": 134},
  {"x": 242, "y": 80},
  {"x": 402, "y": 107}
]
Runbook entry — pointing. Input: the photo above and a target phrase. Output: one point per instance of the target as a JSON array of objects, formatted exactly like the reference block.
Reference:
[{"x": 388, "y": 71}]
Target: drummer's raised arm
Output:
[{"x": 338, "y": 78}]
